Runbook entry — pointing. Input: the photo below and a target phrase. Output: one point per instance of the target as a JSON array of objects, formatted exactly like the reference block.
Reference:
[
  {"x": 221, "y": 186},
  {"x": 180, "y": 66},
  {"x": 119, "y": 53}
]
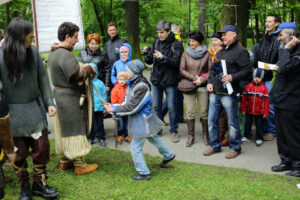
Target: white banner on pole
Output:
[
  {"x": 49, "y": 14},
  {"x": 4, "y": 1}
]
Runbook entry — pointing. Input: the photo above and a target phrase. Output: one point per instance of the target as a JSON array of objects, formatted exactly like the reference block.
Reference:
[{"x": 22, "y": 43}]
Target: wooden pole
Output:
[{"x": 35, "y": 24}]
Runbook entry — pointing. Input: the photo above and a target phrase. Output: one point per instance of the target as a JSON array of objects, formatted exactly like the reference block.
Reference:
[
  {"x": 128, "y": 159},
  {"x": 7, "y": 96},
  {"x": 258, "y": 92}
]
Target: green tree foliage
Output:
[{"x": 16, "y": 8}]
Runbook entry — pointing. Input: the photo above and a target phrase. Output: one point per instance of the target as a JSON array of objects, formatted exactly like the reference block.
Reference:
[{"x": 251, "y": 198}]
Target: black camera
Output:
[{"x": 148, "y": 51}]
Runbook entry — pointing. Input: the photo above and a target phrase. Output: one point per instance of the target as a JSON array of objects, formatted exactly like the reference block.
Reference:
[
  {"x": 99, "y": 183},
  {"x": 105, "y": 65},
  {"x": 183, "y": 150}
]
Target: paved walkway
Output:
[{"x": 252, "y": 157}]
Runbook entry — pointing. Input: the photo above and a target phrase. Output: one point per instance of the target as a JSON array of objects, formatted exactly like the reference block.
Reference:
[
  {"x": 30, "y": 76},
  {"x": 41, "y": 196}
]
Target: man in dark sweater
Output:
[
  {"x": 165, "y": 57},
  {"x": 285, "y": 96},
  {"x": 111, "y": 53},
  {"x": 266, "y": 51},
  {"x": 238, "y": 69}
]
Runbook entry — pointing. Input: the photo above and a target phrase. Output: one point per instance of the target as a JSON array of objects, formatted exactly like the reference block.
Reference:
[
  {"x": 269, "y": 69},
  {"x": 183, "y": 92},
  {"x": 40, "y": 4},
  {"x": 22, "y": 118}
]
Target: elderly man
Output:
[
  {"x": 285, "y": 96},
  {"x": 238, "y": 68}
]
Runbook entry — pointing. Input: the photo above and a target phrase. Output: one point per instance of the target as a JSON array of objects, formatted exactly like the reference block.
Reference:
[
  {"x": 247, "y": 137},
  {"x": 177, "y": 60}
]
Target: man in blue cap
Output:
[
  {"x": 238, "y": 69},
  {"x": 266, "y": 50},
  {"x": 285, "y": 96}
]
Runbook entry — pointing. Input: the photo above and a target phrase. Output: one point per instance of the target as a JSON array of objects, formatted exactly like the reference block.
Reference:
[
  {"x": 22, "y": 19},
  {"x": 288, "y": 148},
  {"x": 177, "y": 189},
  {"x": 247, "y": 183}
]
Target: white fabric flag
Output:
[{"x": 49, "y": 14}]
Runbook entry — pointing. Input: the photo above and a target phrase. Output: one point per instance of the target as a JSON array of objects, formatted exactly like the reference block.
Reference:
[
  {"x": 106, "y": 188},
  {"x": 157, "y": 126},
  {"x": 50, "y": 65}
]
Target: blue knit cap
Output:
[
  {"x": 259, "y": 73},
  {"x": 135, "y": 67}
]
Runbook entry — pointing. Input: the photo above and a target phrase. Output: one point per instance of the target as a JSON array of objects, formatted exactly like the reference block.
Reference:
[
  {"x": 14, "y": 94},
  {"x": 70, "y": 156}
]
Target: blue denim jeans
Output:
[
  {"x": 269, "y": 123},
  {"x": 157, "y": 93},
  {"x": 178, "y": 107},
  {"x": 123, "y": 126},
  {"x": 230, "y": 105},
  {"x": 137, "y": 145}
]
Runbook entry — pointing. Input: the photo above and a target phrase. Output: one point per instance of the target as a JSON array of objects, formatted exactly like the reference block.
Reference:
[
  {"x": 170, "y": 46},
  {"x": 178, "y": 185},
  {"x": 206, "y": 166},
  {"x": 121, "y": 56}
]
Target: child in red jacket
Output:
[
  {"x": 255, "y": 104},
  {"x": 117, "y": 97}
]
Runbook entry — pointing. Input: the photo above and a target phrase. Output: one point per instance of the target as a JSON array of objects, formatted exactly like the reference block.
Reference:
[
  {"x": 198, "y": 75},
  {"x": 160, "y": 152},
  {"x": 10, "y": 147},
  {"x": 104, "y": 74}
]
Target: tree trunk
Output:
[
  {"x": 100, "y": 21},
  {"x": 256, "y": 21},
  {"x": 202, "y": 17},
  {"x": 7, "y": 18},
  {"x": 110, "y": 10},
  {"x": 236, "y": 12},
  {"x": 297, "y": 16},
  {"x": 132, "y": 26}
]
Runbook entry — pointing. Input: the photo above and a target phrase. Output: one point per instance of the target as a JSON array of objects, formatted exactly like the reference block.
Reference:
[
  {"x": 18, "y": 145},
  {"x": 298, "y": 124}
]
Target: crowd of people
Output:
[{"x": 225, "y": 81}]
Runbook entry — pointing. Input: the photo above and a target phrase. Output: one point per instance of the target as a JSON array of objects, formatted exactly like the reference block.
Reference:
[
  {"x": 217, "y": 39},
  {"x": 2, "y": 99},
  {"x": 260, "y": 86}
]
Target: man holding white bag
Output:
[{"x": 238, "y": 67}]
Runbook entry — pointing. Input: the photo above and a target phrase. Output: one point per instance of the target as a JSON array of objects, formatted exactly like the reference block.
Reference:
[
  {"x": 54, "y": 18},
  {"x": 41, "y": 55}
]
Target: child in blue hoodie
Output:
[
  {"x": 119, "y": 65},
  {"x": 142, "y": 122},
  {"x": 98, "y": 110}
]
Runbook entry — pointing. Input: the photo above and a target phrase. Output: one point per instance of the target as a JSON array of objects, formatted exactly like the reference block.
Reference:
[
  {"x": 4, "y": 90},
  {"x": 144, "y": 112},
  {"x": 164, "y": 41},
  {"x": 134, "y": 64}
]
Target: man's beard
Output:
[{"x": 282, "y": 45}]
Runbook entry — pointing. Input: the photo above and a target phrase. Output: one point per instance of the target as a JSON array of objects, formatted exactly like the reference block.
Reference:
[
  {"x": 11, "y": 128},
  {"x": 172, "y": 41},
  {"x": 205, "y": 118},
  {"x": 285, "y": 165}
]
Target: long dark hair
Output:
[{"x": 16, "y": 55}]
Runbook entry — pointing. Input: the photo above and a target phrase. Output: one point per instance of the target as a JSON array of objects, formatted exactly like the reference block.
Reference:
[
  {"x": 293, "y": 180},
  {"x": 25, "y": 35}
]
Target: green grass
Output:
[{"x": 181, "y": 180}]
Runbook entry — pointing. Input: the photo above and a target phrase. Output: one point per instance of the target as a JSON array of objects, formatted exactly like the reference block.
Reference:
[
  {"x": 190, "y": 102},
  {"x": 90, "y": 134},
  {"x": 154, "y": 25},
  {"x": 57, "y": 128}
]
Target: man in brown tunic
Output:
[{"x": 67, "y": 77}]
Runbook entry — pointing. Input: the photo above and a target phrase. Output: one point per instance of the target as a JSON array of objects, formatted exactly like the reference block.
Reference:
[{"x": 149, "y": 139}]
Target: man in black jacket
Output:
[
  {"x": 111, "y": 53},
  {"x": 238, "y": 69},
  {"x": 165, "y": 57},
  {"x": 285, "y": 96},
  {"x": 266, "y": 51}
]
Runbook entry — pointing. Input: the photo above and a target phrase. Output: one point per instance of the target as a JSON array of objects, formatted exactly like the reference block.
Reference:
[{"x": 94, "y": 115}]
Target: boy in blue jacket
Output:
[
  {"x": 98, "y": 111},
  {"x": 119, "y": 65},
  {"x": 142, "y": 122}
]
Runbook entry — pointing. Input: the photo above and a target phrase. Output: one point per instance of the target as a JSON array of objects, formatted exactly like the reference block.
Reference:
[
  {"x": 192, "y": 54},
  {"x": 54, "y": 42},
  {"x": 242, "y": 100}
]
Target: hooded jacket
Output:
[
  {"x": 111, "y": 54},
  {"x": 165, "y": 72},
  {"x": 98, "y": 103},
  {"x": 255, "y": 99},
  {"x": 285, "y": 93},
  {"x": 119, "y": 66},
  {"x": 118, "y": 93},
  {"x": 138, "y": 105},
  {"x": 266, "y": 50}
]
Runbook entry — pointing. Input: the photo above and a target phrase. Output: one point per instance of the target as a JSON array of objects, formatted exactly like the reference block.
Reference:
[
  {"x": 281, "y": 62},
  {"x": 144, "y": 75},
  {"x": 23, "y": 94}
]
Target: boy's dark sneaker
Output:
[
  {"x": 165, "y": 162},
  {"x": 102, "y": 143},
  {"x": 119, "y": 140},
  {"x": 128, "y": 139},
  {"x": 141, "y": 177}
]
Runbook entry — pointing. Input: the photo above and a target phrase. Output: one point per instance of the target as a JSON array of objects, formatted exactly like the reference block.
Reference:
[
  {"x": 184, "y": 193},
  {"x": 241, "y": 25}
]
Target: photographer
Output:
[{"x": 165, "y": 56}]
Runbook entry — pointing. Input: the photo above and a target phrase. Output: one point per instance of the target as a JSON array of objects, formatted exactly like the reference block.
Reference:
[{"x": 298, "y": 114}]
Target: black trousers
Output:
[
  {"x": 258, "y": 124},
  {"x": 288, "y": 136}
]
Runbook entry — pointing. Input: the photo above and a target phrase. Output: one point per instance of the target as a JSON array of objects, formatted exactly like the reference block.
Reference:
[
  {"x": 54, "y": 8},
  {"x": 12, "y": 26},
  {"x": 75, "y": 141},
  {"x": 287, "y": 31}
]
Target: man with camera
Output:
[{"x": 165, "y": 56}]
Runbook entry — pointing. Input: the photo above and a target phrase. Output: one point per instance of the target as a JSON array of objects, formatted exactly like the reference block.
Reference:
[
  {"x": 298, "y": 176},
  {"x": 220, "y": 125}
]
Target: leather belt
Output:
[{"x": 62, "y": 88}]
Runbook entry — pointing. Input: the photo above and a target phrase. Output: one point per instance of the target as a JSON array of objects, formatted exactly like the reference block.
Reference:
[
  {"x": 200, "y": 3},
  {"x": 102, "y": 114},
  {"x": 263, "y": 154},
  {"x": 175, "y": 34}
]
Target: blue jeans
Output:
[
  {"x": 230, "y": 105},
  {"x": 179, "y": 106},
  {"x": 269, "y": 123},
  {"x": 98, "y": 127},
  {"x": 123, "y": 126},
  {"x": 137, "y": 145},
  {"x": 170, "y": 92}
]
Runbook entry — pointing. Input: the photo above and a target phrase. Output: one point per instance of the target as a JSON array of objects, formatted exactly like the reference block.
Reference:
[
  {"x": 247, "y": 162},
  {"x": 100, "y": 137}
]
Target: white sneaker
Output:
[
  {"x": 258, "y": 142},
  {"x": 245, "y": 140}
]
